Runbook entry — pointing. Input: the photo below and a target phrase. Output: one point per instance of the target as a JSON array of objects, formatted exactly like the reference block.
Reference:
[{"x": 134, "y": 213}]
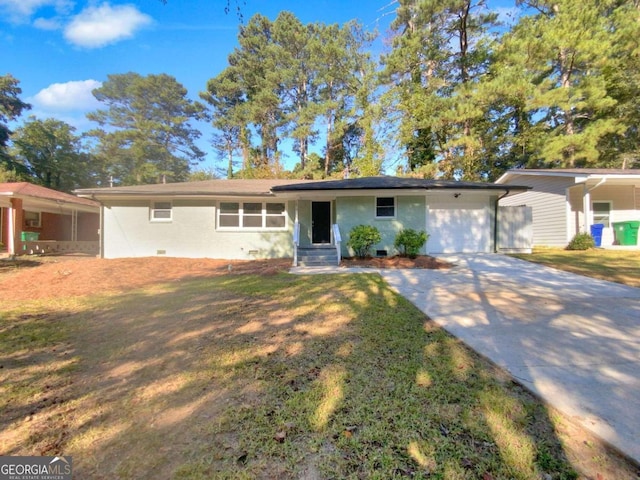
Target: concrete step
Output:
[
  {"x": 318, "y": 263},
  {"x": 317, "y": 257}
]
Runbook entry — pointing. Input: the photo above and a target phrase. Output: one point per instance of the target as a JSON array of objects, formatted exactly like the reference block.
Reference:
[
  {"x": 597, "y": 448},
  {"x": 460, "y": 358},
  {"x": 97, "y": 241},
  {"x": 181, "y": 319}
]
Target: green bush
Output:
[
  {"x": 581, "y": 241},
  {"x": 362, "y": 238},
  {"x": 409, "y": 242}
]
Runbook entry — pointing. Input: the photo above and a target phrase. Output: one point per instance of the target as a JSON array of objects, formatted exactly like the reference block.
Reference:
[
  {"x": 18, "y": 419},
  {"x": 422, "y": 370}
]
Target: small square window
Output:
[
  {"x": 161, "y": 211},
  {"x": 275, "y": 208},
  {"x": 32, "y": 219},
  {"x": 602, "y": 213},
  {"x": 229, "y": 214},
  {"x": 385, "y": 207}
]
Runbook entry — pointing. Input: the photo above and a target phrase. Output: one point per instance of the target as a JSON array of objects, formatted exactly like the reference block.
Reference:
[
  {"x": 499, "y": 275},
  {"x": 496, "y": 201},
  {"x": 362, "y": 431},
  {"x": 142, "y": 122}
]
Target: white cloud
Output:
[
  {"x": 67, "y": 96},
  {"x": 21, "y": 10},
  {"x": 102, "y": 25},
  {"x": 47, "y": 23}
]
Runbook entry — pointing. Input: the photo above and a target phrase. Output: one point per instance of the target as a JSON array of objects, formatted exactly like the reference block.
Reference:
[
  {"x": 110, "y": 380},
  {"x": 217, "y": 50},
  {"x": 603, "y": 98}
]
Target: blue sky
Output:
[{"x": 60, "y": 50}]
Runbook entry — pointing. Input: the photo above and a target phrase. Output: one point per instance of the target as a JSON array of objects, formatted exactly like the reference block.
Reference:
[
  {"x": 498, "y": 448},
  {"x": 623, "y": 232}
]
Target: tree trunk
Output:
[
  {"x": 327, "y": 154},
  {"x": 566, "y": 69}
]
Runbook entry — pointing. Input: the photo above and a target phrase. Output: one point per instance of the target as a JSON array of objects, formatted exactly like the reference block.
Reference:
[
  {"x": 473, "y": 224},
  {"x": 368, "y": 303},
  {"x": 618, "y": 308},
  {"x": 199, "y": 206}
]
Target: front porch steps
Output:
[{"x": 317, "y": 256}]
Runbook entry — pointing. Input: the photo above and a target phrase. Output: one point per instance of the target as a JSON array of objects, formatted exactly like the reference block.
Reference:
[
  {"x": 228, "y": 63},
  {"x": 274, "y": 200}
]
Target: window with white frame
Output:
[
  {"x": 602, "y": 213},
  {"x": 275, "y": 215},
  {"x": 385, "y": 207},
  {"x": 252, "y": 216},
  {"x": 161, "y": 212},
  {"x": 32, "y": 219}
]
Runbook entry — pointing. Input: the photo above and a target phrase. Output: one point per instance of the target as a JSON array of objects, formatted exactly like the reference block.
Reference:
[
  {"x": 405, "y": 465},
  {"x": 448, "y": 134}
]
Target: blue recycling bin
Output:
[{"x": 596, "y": 233}]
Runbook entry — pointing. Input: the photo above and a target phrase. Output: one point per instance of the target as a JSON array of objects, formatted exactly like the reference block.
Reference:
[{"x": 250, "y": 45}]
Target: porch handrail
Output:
[
  {"x": 296, "y": 242},
  {"x": 337, "y": 239}
]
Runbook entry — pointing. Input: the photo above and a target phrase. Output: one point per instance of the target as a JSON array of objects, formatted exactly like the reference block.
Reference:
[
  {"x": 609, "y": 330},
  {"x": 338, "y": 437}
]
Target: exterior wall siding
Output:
[
  {"x": 515, "y": 234},
  {"x": 575, "y": 211},
  {"x": 4, "y": 226},
  {"x": 464, "y": 224},
  {"x": 88, "y": 226},
  {"x": 304, "y": 218},
  {"x": 622, "y": 198},
  {"x": 548, "y": 201},
  {"x": 191, "y": 233},
  {"x": 352, "y": 211}
]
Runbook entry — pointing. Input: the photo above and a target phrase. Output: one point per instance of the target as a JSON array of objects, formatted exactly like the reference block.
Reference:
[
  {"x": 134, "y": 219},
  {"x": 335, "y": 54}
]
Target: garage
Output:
[{"x": 460, "y": 227}]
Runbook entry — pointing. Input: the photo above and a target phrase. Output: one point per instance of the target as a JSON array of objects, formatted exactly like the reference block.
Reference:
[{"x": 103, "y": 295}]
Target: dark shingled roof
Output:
[{"x": 391, "y": 183}]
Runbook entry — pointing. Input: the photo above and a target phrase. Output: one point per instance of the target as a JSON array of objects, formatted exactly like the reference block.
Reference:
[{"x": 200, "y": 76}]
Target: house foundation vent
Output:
[{"x": 381, "y": 253}]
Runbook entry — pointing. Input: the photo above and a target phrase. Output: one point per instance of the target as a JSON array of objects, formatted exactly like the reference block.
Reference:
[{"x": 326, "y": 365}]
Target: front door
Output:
[{"x": 320, "y": 222}]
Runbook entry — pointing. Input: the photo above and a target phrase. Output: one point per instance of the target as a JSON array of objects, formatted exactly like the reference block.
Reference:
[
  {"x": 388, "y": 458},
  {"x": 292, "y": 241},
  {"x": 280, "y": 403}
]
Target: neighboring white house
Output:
[
  {"x": 567, "y": 201},
  {"x": 244, "y": 219}
]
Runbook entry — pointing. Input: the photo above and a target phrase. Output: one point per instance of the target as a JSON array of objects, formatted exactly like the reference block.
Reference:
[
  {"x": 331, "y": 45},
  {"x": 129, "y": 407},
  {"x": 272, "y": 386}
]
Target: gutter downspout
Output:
[{"x": 495, "y": 220}]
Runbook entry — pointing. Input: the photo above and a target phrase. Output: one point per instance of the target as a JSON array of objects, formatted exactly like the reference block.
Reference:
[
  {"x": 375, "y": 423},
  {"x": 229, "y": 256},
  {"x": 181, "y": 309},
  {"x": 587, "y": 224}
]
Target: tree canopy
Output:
[
  {"x": 296, "y": 82},
  {"x": 473, "y": 98},
  {"x": 144, "y": 134},
  {"x": 455, "y": 93},
  {"x": 51, "y": 155},
  {"x": 11, "y": 108}
]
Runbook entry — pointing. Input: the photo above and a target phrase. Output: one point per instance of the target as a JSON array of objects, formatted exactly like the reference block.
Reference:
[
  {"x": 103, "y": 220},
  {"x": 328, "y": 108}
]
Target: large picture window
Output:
[{"x": 252, "y": 216}]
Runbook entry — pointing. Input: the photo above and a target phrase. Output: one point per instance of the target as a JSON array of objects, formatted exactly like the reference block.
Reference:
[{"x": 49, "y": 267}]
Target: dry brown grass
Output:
[{"x": 192, "y": 371}]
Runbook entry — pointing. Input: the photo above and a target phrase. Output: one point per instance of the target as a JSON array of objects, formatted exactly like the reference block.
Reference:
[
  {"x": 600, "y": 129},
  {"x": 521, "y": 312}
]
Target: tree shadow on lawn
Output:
[{"x": 280, "y": 377}]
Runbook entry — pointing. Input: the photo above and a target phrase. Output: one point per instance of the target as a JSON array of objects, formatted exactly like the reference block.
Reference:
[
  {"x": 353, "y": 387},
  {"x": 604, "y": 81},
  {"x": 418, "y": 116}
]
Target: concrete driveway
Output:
[{"x": 573, "y": 340}]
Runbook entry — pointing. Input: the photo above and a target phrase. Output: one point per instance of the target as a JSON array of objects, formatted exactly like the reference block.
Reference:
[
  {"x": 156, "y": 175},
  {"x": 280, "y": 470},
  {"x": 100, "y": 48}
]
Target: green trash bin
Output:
[
  {"x": 632, "y": 231},
  {"x": 626, "y": 232},
  {"x": 29, "y": 236}
]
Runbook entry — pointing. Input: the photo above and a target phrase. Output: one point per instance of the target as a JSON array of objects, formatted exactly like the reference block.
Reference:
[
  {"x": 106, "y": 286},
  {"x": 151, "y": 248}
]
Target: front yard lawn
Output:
[
  {"x": 267, "y": 376},
  {"x": 621, "y": 266}
]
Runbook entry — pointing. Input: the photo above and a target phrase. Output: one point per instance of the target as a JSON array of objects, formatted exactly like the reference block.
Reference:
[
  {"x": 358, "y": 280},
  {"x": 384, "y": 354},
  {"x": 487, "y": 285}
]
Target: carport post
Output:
[
  {"x": 586, "y": 208},
  {"x": 11, "y": 245},
  {"x": 15, "y": 218}
]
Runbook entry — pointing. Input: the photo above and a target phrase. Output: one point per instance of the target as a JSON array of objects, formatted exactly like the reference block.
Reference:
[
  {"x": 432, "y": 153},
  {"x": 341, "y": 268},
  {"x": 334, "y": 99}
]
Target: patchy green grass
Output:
[
  {"x": 621, "y": 266},
  {"x": 268, "y": 377}
]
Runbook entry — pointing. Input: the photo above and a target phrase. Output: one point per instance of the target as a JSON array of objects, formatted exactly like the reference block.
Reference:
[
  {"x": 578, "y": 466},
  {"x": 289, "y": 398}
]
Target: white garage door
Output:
[{"x": 459, "y": 228}]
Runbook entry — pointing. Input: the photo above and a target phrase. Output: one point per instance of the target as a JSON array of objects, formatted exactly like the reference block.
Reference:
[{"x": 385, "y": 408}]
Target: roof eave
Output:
[
  {"x": 98, "y": 196},
  {"x": 488, "y": 187}
]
